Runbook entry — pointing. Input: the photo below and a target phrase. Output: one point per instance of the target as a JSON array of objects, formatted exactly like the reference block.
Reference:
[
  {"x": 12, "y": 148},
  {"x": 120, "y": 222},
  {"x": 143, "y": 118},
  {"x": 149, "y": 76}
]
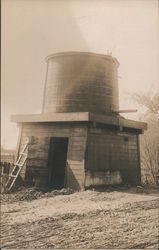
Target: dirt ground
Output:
[{"x": 89, "y": 219}]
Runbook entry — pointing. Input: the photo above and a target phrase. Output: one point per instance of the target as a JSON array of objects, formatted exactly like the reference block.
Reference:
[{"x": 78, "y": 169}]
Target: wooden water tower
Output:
[{"x": 80, "y": 140}]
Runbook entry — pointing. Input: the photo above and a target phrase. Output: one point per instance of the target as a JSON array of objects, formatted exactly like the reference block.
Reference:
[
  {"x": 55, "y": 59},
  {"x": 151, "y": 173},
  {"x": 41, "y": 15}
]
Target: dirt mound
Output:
[{"x": 29, "y": 194}]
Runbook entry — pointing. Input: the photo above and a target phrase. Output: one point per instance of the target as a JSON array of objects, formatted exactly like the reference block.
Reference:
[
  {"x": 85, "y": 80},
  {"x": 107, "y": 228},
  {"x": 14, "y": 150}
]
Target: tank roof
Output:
[{"x": 82, "y": 53}]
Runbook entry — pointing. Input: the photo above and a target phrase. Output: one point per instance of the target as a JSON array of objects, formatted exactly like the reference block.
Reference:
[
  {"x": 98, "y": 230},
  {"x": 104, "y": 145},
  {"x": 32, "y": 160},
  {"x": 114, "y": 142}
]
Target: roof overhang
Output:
[{"x": 80, "y": 117}]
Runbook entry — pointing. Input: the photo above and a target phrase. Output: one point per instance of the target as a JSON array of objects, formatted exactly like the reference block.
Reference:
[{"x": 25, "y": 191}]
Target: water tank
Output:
[{"x": 81, "y": 82}]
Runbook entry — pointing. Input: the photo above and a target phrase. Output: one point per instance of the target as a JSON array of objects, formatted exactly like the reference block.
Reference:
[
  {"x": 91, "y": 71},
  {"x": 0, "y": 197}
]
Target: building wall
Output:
[
  {"x": 39, "y": 134},
  {"x": 112, "y": 157},
  {"x": 96, "y": 156}
]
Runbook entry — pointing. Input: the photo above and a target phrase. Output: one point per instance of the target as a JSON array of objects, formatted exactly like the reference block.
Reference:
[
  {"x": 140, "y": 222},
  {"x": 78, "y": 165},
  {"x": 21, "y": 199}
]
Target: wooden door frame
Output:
[{"x": 49, "y": 167}]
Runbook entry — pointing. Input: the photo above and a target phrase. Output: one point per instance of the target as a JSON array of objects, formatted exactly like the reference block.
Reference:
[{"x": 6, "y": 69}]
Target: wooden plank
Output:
[
  {"x": 45, "y": 128},
  {"x": 103, "y": 119},
  {"x": 77, "y": 170},
  {"x": 37, "y": 162},
  {"x": 74, "y": 162},
  {"x": 57, "y": 117},
  {"x": 117, "y": 121},
  {"x": 38, "y": 155},
  {"x": 132, "y": 124}
]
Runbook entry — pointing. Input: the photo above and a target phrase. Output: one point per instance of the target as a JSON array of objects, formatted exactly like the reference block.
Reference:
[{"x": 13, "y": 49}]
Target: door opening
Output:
[{"x": 57, "y": 161}]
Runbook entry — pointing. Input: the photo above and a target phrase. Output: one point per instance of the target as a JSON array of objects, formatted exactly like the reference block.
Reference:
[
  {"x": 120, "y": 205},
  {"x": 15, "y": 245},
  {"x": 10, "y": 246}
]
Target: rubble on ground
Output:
[{"x": 29, "y": 194}]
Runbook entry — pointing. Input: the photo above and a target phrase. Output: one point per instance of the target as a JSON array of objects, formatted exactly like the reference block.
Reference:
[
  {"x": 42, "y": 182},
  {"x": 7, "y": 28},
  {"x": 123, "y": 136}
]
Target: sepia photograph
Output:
[{"x": 79, "y": 165}]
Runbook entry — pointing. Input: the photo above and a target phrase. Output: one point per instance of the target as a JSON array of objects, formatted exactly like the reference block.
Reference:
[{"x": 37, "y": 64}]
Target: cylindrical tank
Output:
[{"x": 81, "y": 82}]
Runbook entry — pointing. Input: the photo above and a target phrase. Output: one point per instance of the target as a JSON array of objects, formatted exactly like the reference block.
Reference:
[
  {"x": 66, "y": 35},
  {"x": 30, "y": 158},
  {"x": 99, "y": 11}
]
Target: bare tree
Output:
[
  {"x": 150, "y": 100},
  {"x": 150, "y": 139}
]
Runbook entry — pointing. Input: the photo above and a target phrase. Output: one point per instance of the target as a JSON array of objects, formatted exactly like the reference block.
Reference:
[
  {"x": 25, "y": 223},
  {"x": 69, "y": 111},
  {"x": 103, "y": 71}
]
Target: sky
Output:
[{"x": 33, "y": 29}]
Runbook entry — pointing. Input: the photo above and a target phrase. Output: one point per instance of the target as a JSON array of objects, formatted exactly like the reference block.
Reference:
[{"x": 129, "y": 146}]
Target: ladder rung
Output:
[
  {"x": 19, "y": 165},
  {"x": 12, "y": 175},
  {"x": 21, "y": 153}
]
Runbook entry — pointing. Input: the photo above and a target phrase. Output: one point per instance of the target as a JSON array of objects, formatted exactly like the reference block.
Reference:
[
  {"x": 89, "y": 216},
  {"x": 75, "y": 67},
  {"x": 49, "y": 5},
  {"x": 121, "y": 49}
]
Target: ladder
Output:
[{"x": 17, "y": 168}]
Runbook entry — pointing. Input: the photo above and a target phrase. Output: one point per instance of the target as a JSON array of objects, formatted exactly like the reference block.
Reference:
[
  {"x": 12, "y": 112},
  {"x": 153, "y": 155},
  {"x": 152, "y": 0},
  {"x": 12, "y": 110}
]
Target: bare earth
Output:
[{"x": 89, "y": 219}]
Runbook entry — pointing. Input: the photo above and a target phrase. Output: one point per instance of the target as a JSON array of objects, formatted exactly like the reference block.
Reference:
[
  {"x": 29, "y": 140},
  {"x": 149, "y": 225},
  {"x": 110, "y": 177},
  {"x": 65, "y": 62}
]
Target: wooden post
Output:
[{"x": 2, "y": 170}]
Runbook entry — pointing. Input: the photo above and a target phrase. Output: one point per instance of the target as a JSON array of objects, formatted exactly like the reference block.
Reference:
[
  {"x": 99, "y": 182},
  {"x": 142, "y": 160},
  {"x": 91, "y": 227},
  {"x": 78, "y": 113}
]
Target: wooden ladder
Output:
[{"x": 17, "y": 168}]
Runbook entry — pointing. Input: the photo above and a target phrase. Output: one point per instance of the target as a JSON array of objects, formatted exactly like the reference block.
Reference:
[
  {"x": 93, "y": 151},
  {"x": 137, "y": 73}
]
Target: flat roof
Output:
[{"x": 79, "y": 117}]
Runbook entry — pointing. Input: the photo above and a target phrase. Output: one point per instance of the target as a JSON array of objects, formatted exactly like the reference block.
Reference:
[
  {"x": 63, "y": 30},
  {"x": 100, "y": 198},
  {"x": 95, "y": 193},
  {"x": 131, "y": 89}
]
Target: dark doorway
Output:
[{"x": 57, "y": 161}]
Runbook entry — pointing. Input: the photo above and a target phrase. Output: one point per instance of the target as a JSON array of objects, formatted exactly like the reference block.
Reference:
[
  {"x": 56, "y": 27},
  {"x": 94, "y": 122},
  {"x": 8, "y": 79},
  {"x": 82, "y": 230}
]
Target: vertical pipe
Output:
[
  {"x": 138, "y": 154},
  {"x": 44, "y": 96}
]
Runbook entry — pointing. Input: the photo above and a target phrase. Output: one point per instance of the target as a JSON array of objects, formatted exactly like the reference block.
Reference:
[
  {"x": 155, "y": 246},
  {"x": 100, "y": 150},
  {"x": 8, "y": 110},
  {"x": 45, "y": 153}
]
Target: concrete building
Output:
[{"x": 80, "y": 140}]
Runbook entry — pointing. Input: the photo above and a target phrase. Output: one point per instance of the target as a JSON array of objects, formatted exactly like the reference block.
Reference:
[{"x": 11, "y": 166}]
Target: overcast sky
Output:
[{"x": 33, "y": 29}]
